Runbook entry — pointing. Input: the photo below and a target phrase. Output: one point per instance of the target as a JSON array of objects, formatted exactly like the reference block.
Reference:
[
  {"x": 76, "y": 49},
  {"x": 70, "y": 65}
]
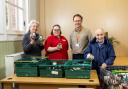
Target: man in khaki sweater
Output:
[{"x": 79, "y": 38}]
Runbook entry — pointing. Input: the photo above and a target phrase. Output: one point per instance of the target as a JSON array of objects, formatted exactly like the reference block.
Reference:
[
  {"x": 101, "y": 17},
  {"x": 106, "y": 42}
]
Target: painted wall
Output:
[
  {"x": 7, "y": 47},
  {"x": 42, "y": 17},
  {"x": 108, "y": 14},
  {"x": 33, "y": 9}
]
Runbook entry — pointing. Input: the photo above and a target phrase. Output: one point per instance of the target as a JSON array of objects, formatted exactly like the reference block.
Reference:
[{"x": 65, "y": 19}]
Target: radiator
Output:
[{"x": 9, "y": 63}]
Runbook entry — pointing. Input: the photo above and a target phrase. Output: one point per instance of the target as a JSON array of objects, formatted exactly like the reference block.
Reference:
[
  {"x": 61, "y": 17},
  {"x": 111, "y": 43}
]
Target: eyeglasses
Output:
[
  {"x": 56, "y": 29},
  {"x": 77, "y": 20}
]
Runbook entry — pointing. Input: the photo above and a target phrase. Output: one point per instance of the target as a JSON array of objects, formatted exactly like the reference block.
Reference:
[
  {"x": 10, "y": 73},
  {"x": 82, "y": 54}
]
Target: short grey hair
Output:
[
  {"x": 101, "y": 29},
  {"x": 30, "y": 23}
]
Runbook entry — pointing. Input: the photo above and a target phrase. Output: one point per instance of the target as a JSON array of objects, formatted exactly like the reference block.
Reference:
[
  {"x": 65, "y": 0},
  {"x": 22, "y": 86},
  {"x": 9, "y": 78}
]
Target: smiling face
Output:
[
  {"x": 56, "y": 30},
  {"x": 33, "y": 27},
  {"x": 100, "y": 35},
  {"x": 77, "y": 22}
]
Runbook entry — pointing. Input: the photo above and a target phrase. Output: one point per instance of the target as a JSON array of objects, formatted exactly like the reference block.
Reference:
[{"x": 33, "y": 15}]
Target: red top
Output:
[{"x": 52, "y": 41}]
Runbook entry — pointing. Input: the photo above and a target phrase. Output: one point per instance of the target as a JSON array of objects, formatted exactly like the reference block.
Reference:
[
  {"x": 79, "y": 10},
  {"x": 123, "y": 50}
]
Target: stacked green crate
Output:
[
  {"x": 52, "y": 69},
  {"x": 28, "y": 67},
  {"x": 119, "y": 71},
  {"x": 78, "y": 69}
]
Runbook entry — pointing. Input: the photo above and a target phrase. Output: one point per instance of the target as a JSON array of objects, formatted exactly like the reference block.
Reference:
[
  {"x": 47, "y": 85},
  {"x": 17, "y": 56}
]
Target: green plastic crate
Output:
[
  {"x": 78, "y": 69},
  {"x": 27, "y": 72},
  {"x": 26, "y": 68},
  {"x": 119, "y": 71},
  {"x": 53, "y": 69}
]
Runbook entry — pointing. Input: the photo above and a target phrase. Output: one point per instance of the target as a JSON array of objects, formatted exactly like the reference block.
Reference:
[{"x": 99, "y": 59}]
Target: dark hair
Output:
[
  {"x": 77, "y": 15},
  {"x": 57, "y": 26}
]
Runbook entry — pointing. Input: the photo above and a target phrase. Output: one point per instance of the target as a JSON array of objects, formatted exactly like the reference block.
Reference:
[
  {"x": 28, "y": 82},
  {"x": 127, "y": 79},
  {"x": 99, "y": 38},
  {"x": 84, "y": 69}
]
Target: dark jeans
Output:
[
  {"x": 78, "y": 56},
  {"x": 101, "y": 78}
]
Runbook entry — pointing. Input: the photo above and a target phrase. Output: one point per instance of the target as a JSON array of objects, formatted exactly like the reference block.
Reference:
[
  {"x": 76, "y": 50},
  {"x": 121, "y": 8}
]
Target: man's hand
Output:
[
  {"x": 104, "y": 65},
  {"x": 90, "y": 56}
]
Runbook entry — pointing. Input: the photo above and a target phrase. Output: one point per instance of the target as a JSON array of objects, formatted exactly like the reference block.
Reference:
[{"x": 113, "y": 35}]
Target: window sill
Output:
[
  {"x": 11, "y": 37},
  {"x": 11, "y": 32}
]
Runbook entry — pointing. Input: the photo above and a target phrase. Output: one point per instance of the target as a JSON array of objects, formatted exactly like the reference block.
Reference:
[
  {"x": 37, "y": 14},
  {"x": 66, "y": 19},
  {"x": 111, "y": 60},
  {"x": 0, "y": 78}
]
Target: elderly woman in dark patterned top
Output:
[{"x": 32, "y": 41}]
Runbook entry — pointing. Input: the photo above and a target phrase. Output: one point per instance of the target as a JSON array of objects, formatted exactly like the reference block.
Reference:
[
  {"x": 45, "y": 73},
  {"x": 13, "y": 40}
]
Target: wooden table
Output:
[{"x": 49, "y": 83}]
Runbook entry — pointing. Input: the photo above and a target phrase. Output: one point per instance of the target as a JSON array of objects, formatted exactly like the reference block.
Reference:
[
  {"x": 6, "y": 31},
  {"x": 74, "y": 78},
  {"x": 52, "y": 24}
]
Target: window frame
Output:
[{"x": 16, "y": 31}]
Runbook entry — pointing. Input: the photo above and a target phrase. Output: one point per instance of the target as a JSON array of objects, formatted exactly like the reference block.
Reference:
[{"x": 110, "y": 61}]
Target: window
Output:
[{"x": 16, "y": 16}]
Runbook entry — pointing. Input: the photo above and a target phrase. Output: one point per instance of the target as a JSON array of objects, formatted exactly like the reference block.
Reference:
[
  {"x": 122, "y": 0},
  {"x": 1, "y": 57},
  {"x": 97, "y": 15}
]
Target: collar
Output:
[
  {"x": 79, "y": 30},
  {"x": 106, "y": 41}
]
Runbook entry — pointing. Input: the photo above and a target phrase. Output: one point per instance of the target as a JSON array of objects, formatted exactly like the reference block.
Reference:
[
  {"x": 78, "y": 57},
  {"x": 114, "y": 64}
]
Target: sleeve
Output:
[
  {"x": 90, "y": 36},
  {"x": 26, "y": 43},
  {"x": 70, "y": 41},
  {"x": 41, "y": 47},
  {"x": 67, "y": 45},
  {"x": 87, "y": 50},
  {"x": 47, "y": 43},
  {"x": 111, "y": 55},
  {"x": 40, "y": 42}
]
